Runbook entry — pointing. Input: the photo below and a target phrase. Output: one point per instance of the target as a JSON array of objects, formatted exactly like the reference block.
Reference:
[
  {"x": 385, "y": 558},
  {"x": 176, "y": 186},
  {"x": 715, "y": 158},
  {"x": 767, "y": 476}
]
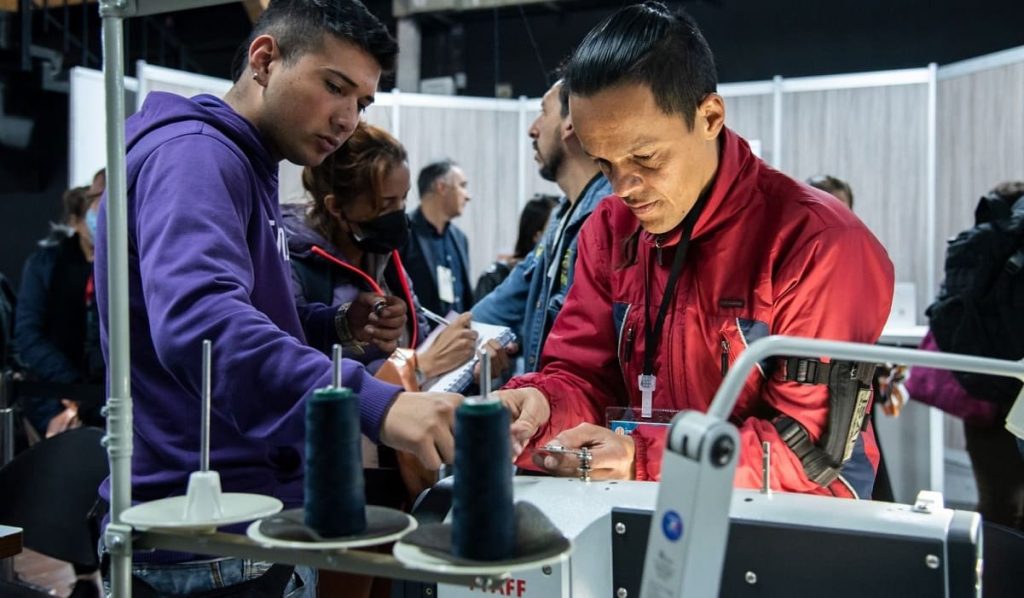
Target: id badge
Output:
[
  {"x": 625, "y": 420},
  {"x": 445, "y": 285}
]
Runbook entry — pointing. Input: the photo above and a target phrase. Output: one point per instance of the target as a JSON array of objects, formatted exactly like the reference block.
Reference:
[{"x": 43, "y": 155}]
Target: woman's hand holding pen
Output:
[{"x": 453, "y": 347}]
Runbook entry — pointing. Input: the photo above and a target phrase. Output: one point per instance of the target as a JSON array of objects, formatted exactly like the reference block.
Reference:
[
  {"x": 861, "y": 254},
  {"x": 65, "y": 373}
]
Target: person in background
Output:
[
  {"x": 56, "y": 329},
  {"x": 437, "y": 254},
  {"x": 530, "y": 299},
  {"x": 532, "y": 221},
  {"x": 838, "y": 188},
  {"x": 703, "y": 250}
]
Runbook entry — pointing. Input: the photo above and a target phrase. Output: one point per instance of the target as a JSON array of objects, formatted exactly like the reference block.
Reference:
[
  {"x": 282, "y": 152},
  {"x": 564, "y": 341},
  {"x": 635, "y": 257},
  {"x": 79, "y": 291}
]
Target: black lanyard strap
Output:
[{"x": 652, "y": 337}]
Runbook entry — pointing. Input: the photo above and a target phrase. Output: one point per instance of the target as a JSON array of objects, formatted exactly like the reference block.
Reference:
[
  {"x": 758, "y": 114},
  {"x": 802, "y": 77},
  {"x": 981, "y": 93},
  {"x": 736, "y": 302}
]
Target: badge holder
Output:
[{"x": 204, "y": 507}]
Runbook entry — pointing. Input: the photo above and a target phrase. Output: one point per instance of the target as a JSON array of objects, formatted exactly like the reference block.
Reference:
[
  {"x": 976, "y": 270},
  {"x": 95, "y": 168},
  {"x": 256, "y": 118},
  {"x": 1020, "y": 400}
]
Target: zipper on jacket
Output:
[
  {"x": 725, "y": 356},
  {"x": 629, "y": 342},
  {"x": 622, "y": 337}
]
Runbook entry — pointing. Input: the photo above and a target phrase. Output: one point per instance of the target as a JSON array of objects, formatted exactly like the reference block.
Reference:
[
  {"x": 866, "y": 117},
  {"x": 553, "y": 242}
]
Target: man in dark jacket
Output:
[{"x": 437, "y": 255}]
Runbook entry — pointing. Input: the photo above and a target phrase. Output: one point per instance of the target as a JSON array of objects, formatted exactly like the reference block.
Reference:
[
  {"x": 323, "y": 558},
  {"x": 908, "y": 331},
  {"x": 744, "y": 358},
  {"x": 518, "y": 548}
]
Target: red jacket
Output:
[{"x": 768, "y": 255}]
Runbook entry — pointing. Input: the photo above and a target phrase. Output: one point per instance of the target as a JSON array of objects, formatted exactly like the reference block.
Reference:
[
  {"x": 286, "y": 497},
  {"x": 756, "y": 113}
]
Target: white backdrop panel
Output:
[
  {"x": 875, "y": 138},
  {"x": 87, "y": 123}
]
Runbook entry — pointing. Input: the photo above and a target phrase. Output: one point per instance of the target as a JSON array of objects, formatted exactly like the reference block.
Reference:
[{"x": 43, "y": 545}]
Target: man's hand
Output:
[
  {"x": 453, "y": 347},
  {"x": 422, "y": 423},
  {"x": 501, "y": 359},
  {"x": 529, "y": 410},
  {"x": 612, "y": 453},
  {"x": 377, "y": 319}
]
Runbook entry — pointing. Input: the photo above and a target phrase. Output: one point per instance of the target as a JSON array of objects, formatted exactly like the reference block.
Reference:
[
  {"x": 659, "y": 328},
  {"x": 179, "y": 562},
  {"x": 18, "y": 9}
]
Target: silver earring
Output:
[{"x": 256, "y": 77}]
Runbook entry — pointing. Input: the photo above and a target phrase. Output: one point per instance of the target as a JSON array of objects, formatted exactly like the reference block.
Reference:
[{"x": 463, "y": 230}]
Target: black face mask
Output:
[{"x": 382, "y": 234}]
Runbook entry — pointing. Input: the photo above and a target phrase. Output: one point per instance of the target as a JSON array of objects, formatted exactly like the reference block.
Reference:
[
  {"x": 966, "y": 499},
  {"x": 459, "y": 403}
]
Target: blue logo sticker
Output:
[{"x": 672, "y": 526}]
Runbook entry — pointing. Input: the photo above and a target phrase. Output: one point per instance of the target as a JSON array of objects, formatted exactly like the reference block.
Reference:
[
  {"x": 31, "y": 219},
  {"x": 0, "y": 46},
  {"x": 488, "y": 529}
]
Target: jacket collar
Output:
[{"x": 736, "y": 162}]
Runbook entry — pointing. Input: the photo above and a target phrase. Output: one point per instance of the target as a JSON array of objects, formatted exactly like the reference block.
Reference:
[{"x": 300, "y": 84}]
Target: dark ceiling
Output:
[{"x": 752, "y": 39}]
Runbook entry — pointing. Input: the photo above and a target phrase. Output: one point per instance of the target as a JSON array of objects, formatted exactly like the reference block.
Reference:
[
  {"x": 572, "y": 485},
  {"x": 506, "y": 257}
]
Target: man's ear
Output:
[
  {"x": 439, "y": 185},
  {"x": 263, "y": 52},
  {"x": 711, "y": 116},
  {"x": 568, "y": 133}
]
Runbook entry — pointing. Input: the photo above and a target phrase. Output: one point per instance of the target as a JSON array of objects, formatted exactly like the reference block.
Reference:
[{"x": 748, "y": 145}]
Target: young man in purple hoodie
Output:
[{"x": 208, "y": 260}]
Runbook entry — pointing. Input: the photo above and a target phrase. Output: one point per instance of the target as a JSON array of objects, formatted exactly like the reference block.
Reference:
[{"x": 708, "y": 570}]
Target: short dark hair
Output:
[
  {"x": 563, "y": 99},
  {"x": 831, "y": 184},
  {"x": 431, "y": 173},
  {"x": 299, "y": 27},
  {"x": 651, "y": 45},
  {"x": 534, "y": 218}
]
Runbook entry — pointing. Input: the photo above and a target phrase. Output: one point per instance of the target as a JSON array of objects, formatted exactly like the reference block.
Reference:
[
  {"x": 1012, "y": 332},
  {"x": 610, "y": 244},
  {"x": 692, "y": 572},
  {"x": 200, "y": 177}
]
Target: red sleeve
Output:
[{"x": 580, "y": 373}]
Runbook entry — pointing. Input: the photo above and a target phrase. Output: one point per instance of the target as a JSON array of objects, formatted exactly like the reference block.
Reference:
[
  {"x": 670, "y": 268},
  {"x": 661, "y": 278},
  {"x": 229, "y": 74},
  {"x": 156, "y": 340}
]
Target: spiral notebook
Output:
[{"x": 461, "y": 377}]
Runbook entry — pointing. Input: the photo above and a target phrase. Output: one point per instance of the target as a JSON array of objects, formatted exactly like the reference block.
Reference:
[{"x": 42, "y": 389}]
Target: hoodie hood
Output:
[
  {"x": 301, "y": 236},
  {"x": 162, "y": 109}
]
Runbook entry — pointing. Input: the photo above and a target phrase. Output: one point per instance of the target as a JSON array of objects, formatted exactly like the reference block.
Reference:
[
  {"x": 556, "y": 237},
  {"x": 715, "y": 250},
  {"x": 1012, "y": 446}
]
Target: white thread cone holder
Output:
[{"x": 202, "y": 502}]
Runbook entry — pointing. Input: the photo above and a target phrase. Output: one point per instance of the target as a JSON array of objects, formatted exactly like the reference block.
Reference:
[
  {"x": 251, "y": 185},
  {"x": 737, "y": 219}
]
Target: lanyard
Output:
[{"x": 652, "y": 336}]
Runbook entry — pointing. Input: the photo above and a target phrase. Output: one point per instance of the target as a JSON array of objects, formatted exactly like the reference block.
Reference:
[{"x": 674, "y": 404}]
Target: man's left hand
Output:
[{"x": 612, "y": 453}]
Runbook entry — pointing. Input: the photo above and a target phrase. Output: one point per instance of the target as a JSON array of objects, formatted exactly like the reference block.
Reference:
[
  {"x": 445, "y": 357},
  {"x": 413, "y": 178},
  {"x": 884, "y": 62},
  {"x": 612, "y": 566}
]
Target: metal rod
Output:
[
  {"x": 725, "y": 399},
  {"x": 485, "y": 375},
  {"x": 119, "y": 415},
  {"x": 336, "y": 366},
  {"x": 766, "y": 467},
  {"x": 6, "y": 435},
  {"x": 204, "y": 464}
]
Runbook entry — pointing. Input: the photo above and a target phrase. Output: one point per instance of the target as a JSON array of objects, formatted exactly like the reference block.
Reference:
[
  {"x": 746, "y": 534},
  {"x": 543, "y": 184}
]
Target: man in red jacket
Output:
[{"x": 704, "y": 249}]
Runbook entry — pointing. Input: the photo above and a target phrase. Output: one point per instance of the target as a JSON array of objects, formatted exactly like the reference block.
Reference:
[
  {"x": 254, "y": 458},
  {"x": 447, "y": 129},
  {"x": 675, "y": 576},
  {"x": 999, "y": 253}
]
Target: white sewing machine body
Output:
[{"x": 777, "y": 545}]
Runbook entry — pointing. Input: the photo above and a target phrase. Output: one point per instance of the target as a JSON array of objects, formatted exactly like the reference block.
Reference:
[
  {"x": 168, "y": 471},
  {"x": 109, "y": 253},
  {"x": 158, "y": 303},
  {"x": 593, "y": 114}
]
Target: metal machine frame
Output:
[{"x": 700, "y": 459}]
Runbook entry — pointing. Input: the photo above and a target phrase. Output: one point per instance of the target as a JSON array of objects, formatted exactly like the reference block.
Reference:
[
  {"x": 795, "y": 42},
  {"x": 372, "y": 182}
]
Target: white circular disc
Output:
[{"x": 169, "y": 513}]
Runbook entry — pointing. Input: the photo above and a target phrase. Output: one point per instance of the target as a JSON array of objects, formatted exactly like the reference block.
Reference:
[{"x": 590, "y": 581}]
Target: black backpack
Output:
[{"x": 980, "y": 307}]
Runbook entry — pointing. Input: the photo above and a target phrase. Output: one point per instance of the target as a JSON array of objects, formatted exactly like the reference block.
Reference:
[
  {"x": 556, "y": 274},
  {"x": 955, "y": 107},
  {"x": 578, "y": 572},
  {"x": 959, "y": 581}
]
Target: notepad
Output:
[{"x": 461, "y": 377}]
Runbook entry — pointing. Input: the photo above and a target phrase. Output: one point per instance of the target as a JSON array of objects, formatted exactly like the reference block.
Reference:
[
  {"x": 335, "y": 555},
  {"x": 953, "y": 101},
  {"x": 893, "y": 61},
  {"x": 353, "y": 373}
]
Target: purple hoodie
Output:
[{"x": 208, "y": 260}]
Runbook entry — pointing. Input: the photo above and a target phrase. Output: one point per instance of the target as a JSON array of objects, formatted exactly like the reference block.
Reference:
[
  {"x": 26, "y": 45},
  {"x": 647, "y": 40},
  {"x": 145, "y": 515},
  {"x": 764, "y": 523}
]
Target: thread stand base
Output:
[
  {"x": 538, "y": 543},
  {"x": 288, "y": 530}
]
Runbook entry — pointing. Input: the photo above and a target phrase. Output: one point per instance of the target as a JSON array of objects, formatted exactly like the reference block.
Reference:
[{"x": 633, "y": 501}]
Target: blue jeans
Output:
[{"x": 201, "y": 576}]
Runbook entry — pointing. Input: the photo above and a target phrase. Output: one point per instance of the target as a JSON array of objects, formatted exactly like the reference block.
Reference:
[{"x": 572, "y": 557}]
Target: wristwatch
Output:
[
  {"x": 421, "y": 378},
  {"x": 345, "y": 336},
  {"x": 341, "y": 325}
]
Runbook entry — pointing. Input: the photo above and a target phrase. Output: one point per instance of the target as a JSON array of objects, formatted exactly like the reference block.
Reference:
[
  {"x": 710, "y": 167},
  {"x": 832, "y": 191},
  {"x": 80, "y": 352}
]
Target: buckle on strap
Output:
[
  {"x": 814, "y": 371},
  {"x": 805, "y": 371}
]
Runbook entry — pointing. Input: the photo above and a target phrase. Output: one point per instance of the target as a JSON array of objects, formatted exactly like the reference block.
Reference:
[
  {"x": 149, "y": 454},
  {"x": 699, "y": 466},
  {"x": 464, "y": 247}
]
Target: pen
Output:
[{"x": 434, "y": 317}]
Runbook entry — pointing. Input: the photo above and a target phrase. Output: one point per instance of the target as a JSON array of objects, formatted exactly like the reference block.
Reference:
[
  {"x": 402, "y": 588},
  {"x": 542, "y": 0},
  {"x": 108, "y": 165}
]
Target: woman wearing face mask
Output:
[
  {"x": 56, "y": 331},
  {"x": 343, "y": 250}
]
